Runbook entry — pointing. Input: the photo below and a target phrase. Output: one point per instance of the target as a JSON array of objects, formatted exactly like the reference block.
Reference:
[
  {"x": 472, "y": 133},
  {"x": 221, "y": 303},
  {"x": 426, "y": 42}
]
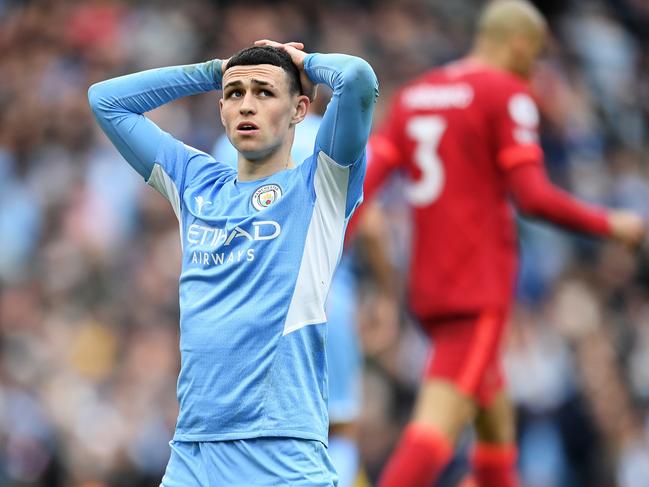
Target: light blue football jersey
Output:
[
  {"x": 258, "y": 256},
  {"x": 342, "y": 347}
]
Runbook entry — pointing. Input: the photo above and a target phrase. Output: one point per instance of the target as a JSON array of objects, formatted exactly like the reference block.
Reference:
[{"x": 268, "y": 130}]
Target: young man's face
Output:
[{"x": 258, "y": 109}]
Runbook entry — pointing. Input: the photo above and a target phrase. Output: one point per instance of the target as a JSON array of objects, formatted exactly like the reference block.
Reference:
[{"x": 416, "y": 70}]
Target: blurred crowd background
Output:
[{"x": 89, "y": 256}]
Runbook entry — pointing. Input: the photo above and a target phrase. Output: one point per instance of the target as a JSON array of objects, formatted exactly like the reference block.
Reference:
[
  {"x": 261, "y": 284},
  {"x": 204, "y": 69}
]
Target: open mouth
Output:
[{"x": 247, "y": 127}]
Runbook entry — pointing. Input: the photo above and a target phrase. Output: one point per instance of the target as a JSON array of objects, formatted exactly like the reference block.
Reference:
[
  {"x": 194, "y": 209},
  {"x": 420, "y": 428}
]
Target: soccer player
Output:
[
  {"x": 342, "y": 348},
  {"x": 465, "y": 135},
  {"x": 259, "y": 247}
]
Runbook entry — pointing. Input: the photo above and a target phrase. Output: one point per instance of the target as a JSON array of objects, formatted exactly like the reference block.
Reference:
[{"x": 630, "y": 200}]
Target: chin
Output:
[
  {"x": 253, "y": 154},
  {"x": 249, "y": 149}
]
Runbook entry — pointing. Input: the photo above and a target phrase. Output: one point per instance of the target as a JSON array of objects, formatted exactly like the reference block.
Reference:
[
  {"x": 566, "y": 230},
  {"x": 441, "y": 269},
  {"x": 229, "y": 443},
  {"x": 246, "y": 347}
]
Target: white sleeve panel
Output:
[
  {"x": 162, "y": 182},
  {"x": 323, "y": 245}
]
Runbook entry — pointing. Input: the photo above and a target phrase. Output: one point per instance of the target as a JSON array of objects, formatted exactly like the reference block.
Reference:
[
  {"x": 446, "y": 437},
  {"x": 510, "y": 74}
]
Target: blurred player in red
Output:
[{"x": 466, "y": 137}]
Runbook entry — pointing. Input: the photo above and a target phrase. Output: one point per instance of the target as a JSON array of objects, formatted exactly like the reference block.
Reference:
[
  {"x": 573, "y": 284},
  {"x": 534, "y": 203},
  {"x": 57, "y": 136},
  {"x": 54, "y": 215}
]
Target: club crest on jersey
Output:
[{"x": 265, "y": 196}]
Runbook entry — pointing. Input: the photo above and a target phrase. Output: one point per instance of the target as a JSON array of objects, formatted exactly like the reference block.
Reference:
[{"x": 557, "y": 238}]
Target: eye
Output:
[
  {"x": 265, "y": 93},
  {"x": 234, "y": 94}
]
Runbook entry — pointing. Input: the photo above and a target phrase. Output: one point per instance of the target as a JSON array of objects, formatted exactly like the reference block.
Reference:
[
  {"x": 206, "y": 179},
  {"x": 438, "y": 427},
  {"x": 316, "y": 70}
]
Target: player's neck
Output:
[
  {"x": 490, "y": 55},
  {"x": 267, "y": 166}
]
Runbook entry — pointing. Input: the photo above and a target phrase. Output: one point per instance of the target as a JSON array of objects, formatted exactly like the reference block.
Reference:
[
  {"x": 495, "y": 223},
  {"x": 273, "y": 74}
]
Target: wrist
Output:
[
  {"x": 214, "y": 69},
  {"x": 306, "y": 66},
  {"x": 607, "y": 223}
]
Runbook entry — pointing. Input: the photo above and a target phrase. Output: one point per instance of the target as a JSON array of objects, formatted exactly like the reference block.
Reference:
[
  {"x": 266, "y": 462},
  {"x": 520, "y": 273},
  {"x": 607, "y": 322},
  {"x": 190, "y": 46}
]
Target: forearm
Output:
[
  {"x": 371, "y": 233},
  {"x": 348, "y": 118},
  {"x": 119, "y": 105},
  {"x": 535, "y": 196}
]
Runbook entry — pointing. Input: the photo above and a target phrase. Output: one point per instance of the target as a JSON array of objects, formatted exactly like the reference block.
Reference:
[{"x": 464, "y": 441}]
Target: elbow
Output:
[
  {"x": 360, "y": 70},
  {"x": 97, "y": 96},
  {"x": 366, "y": 83},
  {"x": 358, "y": 73}
]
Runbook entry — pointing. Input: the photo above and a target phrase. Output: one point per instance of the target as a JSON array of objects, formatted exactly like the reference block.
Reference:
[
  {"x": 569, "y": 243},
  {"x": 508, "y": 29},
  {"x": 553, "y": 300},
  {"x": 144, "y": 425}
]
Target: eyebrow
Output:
[{"x": 254, "y": 81}]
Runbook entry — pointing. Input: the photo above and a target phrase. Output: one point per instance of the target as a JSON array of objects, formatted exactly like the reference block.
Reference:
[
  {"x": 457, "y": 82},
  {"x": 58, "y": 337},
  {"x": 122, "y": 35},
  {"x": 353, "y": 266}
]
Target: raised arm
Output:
[
  {"x": 347, "y": 121},
  {"x": 119, "y": 104}
]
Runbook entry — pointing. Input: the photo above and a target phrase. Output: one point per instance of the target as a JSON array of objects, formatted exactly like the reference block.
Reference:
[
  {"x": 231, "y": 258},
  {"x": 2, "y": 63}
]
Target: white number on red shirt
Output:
[{"x": 427, "y": 132}]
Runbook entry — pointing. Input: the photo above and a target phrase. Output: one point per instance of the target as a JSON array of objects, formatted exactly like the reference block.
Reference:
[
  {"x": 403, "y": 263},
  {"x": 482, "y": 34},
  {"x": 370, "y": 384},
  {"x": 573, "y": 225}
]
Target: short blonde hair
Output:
[{"x": 502, "y": 19}]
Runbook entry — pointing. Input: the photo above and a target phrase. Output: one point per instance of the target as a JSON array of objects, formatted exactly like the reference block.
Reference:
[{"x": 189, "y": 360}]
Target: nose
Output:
[{"x": 248, "y": 105}]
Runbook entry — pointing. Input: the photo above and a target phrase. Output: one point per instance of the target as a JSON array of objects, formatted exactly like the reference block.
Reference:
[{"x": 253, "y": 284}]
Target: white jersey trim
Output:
[
  {"x": 162, "y": 182},
  {"x": 323, "y": 245}
]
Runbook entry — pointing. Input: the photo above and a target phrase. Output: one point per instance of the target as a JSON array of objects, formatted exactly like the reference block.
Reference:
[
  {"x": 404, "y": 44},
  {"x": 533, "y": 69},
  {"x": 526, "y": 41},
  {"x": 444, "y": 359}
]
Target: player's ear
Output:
[
  {"x": 221, "y": 111},
  {"x": 300, "y": 109}
]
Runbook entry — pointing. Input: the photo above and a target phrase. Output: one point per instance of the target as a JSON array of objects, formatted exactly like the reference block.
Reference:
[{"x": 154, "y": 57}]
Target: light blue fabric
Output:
[
  {"x": 259, "y": 462},
  {"x": 342, "y": 349},
  {"x": 119, "y": 104},
  {"x": 246, "y": 370},
  {"x": 345, "y": 456}
]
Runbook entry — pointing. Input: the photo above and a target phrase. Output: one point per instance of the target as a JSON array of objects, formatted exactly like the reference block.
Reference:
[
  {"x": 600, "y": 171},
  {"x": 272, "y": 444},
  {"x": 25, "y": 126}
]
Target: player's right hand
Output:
[
  {"x": 627, "y": 227},
  {"x": 224, "y": 65}
]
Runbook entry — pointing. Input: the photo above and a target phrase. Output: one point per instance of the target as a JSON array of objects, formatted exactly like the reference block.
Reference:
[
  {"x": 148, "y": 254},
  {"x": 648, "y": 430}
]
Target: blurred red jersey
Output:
[{"x": 456, "y": 131}]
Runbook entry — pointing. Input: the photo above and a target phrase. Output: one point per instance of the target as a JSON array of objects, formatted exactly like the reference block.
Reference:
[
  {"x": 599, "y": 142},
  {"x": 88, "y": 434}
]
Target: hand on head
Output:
[
  {"x": 224, "y": 65},
  {"x": 295, "y": 50}
]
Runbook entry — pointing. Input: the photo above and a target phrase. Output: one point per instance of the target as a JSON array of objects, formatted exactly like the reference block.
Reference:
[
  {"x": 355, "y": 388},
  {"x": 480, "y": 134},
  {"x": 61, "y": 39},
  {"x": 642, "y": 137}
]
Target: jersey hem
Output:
[{"x": 247, "y": 435}]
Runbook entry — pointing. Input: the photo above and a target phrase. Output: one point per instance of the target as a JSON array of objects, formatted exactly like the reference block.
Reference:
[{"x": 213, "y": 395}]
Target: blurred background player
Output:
[
  {"x": 466, "y": 135},
  {"x": 343, "y": 353}
]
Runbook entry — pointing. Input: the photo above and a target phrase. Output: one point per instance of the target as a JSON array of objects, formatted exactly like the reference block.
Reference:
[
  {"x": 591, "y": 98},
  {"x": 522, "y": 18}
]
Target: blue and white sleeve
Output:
[
  {"x": 346, "y": 123},
  {"x": 119, "y": 104}
]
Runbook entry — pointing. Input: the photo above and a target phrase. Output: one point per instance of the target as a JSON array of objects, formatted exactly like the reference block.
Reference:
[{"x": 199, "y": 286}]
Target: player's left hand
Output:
[
  {"x": 627, "y": 227},
  {"x": 296, "y": 51}
]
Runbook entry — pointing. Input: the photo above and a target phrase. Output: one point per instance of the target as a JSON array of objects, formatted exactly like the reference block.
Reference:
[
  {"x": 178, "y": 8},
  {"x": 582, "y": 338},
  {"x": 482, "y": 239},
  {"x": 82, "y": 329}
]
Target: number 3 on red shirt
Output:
[{"x": 427, "y": 132}]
